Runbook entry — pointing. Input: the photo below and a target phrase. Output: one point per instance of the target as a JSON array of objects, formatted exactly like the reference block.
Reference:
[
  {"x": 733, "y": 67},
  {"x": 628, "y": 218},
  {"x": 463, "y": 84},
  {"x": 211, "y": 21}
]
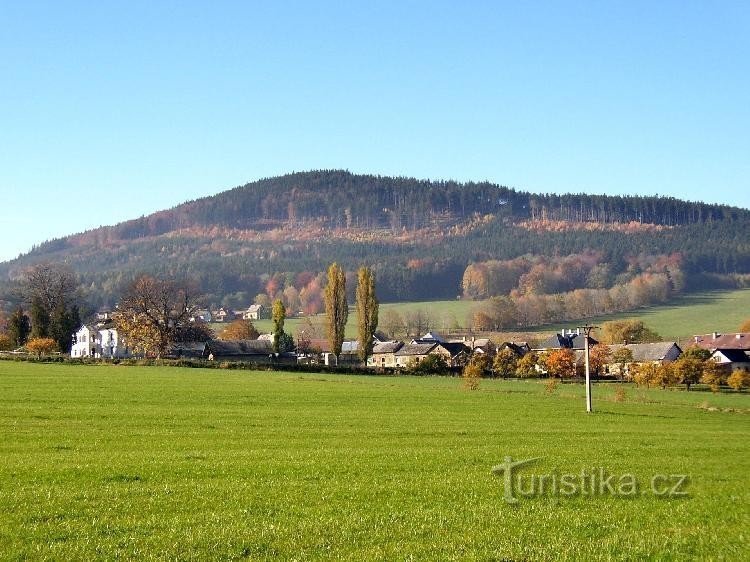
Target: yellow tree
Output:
[
  {"x": 41, "y": 346},
  {"x": 239, "y": 330},
  {"x": 599, "y": 357},
  {"x": 337, "y": 309},
  {"x": 713, "y": 375},
  {"x": 560, "y": 363},
  {"x": 739, "y": 379},
  {"x": 367, "y": 311}
]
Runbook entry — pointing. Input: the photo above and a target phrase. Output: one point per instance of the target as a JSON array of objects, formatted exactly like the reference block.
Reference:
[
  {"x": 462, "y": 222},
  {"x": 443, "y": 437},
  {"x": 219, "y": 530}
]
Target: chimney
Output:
[
  {"x": 738, "y": 336},
  {"x": 715, "y": 334},
  {"x": 696, "y": 338},
  {"x": 578, "y": 331}
]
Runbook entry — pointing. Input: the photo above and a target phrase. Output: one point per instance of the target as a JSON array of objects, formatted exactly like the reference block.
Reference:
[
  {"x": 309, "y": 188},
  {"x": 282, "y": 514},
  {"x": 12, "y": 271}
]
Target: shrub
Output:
[{"x": 739, "y": 379}]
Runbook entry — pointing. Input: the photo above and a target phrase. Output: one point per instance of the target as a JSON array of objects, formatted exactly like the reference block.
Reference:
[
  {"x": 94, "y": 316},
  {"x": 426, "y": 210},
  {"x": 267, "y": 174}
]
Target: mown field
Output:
[
  {"x": 113, "y": 462},
  {"x": 685, "y": 316}
]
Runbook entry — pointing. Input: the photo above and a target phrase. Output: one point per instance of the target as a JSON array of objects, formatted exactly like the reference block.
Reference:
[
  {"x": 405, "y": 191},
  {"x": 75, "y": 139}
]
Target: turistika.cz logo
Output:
[{"x": 587, "y": 482}]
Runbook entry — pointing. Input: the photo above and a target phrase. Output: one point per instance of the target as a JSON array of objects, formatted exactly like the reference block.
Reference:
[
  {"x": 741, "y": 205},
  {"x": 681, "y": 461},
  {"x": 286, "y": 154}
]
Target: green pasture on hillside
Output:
[
  {"x": 685, "y": 316},
  {"x": 114, "y": 462}
]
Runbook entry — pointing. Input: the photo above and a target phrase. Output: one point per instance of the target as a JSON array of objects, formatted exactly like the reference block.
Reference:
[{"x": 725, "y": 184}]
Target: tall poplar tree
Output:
[
  {"x": 278, "y": 314},
  {"x": 367, "y": 311},
  {"x": 337, "y": 309}
]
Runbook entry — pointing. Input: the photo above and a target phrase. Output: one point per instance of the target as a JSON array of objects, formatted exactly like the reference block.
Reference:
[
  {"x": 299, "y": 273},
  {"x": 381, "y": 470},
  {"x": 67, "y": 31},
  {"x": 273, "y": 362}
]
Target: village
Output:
[{"x": 730, "y": 352}]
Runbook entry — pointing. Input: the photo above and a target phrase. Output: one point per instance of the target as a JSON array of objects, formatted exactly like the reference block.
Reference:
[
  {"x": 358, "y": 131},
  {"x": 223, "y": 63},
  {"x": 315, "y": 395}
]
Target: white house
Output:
[{"x": 100, "y": 342}]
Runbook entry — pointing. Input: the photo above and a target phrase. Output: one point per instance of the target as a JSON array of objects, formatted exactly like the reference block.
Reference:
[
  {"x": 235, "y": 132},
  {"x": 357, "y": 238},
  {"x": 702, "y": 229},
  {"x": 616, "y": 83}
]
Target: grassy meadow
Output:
[
  {"x": 696, "y": 313},
  {"x": 114, "y": 462}
]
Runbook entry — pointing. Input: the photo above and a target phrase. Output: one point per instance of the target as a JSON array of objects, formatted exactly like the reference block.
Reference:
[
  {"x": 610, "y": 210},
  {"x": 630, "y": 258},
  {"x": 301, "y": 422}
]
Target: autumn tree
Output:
[
  {"x": 474, "y": 370},
  {"x": 41, "y": 346},
  {"x": 527, "y": 365},
  {"x": 600, "y": 356},
  {"x": 505, "y": 362},
  {"x": 367, "y": 311},
  {"x": 239, "y": 330},
  {"x": 739, "y": 379},
  {"x": 5, "y": 342},
  {"x": 152, "y": 311},
  {"x": 560, "y": 363},
  {"x": 714, "y": 375},
  {"x": 278, "y": 315},
  {"x": 688, "y": 370},
  {"x": 627, "y": 331},
  {"x": 745, "y": 326},
  {"x": 337, "y": 309}
]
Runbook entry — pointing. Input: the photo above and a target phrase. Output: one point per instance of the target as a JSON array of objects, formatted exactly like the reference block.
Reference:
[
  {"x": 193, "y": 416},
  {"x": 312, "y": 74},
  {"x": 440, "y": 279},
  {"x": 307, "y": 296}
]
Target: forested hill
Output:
[
  {"x": 339, "y": 199},
  {"x": 419, "y": 235}
]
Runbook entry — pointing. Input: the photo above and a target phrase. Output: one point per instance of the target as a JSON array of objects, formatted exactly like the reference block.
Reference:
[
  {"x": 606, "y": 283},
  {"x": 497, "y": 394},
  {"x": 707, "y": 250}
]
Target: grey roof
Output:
[
  {"x": 387, "y": 347},
  {"x": 239, "y": 347},
  {"x": 455, "y": 348},
  {"x": 416, "y": 349},
  {"x": 647, "y": 351}
]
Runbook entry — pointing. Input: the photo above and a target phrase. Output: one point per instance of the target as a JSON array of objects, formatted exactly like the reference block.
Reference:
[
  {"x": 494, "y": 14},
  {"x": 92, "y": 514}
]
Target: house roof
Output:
[
  {"x": 432, "y": 336},
  {"x": 734, "y": 355},
  {"x": 239, "y": 347},
  {"x": 716, "y": 340},
  {"x": 416, "y": 349},
  {"x": 387, "y": 347},
  {"x": 571, "y": 341},
  {"x": 454, "y": 348},
  {"x": 643, "y": 352},
  {"x": 254, "y": 307}
]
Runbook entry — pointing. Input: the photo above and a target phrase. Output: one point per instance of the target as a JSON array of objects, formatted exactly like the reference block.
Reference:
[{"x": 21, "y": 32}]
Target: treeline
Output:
[{"x": 531, "y": 309}]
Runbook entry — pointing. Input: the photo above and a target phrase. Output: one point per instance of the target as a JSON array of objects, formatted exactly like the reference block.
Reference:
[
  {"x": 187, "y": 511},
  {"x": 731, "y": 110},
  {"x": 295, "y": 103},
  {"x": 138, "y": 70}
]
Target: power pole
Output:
[{"x": 586, "y": 333}]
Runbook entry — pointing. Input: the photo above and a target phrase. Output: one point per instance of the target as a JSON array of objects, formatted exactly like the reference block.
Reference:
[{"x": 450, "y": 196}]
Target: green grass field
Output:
[
  {"x": 114, "y": 462},
  {"x": 697, "y": 313},
  {"x": 685, "y": 316}
]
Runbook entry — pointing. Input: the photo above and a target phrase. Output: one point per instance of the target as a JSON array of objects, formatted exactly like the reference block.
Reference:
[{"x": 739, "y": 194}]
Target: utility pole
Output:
[{"x": 586, "y": 333}]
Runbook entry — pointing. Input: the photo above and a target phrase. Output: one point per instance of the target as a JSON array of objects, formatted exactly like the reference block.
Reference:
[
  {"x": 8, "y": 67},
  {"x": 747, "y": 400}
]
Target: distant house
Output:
[
  {"x": 203, "y": 315},
  {"x": 732, "y": 359},
  {"x": 99, "y": 341},
  {"x": 455, "y": 354},
  {"x": 657, "y": 353},
  {"x": 223, "y": 315},
  {"x": 384, "y": 355},
  {"x": 256, "y": 312},
  {"x": 413, "y": 353},
  {"x": 715, "y": 341}
]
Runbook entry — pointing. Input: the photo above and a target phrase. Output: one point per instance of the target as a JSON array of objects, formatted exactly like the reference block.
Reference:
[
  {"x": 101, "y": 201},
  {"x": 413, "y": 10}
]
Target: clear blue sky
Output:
[{"x": 113, "y": 110}]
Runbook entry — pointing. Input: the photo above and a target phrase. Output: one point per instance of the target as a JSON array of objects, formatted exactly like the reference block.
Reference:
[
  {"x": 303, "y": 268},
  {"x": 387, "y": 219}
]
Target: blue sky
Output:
[{"x": 113, "y": 110}]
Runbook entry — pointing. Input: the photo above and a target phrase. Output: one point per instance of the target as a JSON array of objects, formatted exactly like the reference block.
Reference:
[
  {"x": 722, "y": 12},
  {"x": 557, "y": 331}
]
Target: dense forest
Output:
[{"x": 419, "y": 236}]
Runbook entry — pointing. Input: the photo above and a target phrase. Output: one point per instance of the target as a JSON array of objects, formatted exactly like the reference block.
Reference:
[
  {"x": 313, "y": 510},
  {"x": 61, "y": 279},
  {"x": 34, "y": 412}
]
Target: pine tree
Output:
[
  {"x": 367, "y": 311},
  {"x": 337, "y": 309}
]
